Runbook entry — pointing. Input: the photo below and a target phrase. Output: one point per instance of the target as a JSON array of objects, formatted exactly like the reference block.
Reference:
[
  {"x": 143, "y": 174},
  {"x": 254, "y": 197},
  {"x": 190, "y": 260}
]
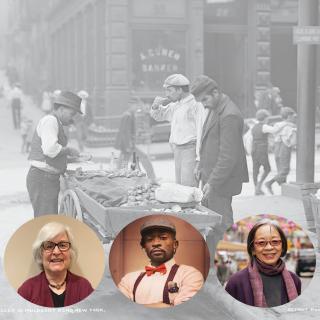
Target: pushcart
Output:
[{"x": 109, "y": 221}]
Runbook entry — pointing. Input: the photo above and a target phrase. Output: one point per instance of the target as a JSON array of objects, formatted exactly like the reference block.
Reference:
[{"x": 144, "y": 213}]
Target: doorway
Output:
[{"x": 225, "y": 60}]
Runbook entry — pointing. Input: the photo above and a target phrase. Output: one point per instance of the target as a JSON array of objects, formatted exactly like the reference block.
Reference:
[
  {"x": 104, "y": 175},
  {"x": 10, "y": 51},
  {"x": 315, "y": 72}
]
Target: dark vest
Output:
[
  {"x": 259, "y": 139},
  {"x": 165, "y": 295},
  {"x": 60, "y": 161}
]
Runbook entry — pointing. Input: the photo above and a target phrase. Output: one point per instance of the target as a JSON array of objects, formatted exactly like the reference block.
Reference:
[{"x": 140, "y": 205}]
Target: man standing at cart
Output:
[
  {"x": 48, "y": 155},
  {"x": 186, "y": 116},
  {"x": 223, "y": 164}
]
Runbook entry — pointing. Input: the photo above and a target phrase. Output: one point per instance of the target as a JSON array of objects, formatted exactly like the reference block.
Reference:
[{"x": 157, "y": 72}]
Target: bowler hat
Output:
[
  {"x": 157, "y": 223},
  {"x": 176, "y": 79},
  {"x": 68, "y": 99},
  {"x": 203, "y": 84}
]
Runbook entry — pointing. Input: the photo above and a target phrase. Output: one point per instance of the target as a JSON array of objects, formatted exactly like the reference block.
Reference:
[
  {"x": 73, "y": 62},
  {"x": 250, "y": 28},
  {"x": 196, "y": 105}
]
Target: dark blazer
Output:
[
  {"x": 36, "y": 290},
  {"x": 240, "y": 288},
  {"x": 223, "y": 161}
]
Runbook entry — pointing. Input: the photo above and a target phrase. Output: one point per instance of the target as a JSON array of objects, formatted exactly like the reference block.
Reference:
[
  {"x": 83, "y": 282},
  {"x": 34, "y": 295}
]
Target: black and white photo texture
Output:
[{"x": 208, "y": 110}]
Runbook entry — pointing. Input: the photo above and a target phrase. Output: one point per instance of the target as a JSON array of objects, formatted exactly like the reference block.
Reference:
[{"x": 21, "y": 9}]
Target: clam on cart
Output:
[{"x": 108, "y": 201}]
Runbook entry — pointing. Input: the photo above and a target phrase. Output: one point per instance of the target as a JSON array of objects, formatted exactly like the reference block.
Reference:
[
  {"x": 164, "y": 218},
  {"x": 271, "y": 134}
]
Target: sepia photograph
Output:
[{"x": 207, "y": 111}]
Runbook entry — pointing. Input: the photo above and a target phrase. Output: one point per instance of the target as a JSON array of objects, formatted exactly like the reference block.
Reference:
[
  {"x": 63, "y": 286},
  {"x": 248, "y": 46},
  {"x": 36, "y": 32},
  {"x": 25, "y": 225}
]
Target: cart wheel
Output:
[{"x": 70, "y": 205}]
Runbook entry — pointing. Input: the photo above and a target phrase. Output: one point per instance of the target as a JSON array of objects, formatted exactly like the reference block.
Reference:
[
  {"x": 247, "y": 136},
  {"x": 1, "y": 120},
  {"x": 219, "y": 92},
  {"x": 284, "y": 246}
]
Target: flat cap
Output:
[
  {"x": 157, "y": 223},
  {"x": 69, "y": 100},
  {"x": 261, "y": 114},
  {"x": 203, "y": 84},
  {"x": 286, "y": 111},
  {"x": 176, "y": 79}
]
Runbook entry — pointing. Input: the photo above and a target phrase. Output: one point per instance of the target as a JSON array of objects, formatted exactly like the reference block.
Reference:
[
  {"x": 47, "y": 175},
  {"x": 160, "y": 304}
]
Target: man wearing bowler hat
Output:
[
  {"x": 48, "y": 155},
  {"x": 162, "y": 283},
  {"x": 186, "y": 116}
]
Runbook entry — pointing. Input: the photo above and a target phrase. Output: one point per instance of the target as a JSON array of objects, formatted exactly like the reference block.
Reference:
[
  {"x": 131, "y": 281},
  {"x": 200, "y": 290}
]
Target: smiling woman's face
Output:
[
  {"x": 56, "y": 260},
  {"x": 267, "y": 244}
]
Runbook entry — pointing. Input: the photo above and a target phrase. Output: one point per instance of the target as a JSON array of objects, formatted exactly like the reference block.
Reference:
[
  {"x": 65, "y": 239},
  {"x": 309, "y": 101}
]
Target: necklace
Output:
[{"x": 57, "y": 286}]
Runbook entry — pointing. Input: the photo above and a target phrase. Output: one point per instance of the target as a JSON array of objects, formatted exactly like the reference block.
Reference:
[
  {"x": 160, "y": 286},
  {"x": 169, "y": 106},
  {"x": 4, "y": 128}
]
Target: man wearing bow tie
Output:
[{"x": 163, "y": 283}]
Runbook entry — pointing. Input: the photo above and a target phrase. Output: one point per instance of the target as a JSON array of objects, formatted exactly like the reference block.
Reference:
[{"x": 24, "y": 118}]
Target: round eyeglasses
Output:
[
  {"x": 50, "y": 246},
  {"x": 263, "y": 243}
]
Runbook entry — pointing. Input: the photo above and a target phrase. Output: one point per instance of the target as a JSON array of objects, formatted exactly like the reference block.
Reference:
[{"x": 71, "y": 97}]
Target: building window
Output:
[
  {"x": 226, "y": 12},
  {"x": 155, "y": 55}
]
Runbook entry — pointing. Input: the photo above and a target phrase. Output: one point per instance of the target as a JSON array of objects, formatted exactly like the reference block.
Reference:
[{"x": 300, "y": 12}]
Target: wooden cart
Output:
[{"x": 108, "y": 221}]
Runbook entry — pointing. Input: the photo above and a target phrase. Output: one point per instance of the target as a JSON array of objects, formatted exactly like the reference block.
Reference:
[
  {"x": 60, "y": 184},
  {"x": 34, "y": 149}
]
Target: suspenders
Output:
[{"x": 171, "y": 275}]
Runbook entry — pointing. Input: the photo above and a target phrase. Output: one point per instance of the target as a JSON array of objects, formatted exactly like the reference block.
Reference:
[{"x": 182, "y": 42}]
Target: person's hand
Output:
[
  {"x": 196, "y": 171},
  {"x": 72, "y": 152},
  {"x": 157, "y": 102},
  {"x": 206, "y": 190}
]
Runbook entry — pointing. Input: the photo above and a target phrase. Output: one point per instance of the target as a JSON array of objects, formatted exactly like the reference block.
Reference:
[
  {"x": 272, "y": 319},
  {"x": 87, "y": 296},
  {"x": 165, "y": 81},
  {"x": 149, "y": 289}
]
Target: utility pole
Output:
[{"x": 308, "y": 16}]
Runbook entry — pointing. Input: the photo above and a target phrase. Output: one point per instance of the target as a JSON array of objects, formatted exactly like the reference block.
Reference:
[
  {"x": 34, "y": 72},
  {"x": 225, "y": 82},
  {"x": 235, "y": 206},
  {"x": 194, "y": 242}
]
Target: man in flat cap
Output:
[
  {"x": 163, "y": 283},
  {"x": 187, "y": 117},
  {"x": 223, "y": 165},
  {"x": 48, "y": 155}
]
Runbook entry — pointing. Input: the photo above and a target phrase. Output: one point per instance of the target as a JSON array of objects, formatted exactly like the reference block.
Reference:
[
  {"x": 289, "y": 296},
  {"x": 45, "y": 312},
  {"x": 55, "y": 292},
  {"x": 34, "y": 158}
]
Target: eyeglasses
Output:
[
  {"x": 50, "y": 246},
  {"x": 263, "y": 243}
]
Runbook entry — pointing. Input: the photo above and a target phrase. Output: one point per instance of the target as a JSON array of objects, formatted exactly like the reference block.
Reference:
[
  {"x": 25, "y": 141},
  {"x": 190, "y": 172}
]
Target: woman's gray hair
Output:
[{"x": 48, "y": 232}]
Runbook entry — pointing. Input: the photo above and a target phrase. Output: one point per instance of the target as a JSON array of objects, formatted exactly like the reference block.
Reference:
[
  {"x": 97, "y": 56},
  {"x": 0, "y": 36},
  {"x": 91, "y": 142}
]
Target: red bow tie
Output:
[{"x": 151, "y": 270}]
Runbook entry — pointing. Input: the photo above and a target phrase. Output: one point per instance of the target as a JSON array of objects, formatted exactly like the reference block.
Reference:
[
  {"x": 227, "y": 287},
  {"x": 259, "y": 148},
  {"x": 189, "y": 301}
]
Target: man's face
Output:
[
  {"x": 173, "y": 93},
  {"x": 160, "y": 246},
  {"x": 66, "y": 115},
  {"x": 211, "y": 100}
]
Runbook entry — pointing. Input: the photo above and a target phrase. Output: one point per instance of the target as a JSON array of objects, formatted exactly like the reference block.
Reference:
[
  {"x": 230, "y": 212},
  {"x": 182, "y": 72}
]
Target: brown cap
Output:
[
  {"x": 157, "y": 223},
  {"x": 69, "y": 100},
  {"x": 203, "y": 84}
]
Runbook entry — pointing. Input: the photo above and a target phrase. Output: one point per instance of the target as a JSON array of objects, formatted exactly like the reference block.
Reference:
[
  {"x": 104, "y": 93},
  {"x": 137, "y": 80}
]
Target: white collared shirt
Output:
[
  {"x": 187, "y": 117},
  {"x": 150, "y": 290},
  {"x": 48, "y": 130}
]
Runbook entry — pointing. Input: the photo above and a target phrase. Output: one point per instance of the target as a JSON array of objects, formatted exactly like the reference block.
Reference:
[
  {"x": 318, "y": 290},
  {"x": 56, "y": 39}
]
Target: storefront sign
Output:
[
  {"x": 153, "y": 60},
  {"x": 156, "y": 54},
  {"x": 306, "y": 35}
]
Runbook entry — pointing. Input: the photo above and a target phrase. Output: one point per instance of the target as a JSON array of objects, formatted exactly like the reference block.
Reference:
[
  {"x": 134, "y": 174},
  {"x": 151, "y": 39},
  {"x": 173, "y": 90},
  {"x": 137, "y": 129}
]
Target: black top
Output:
[
  {"x": 58, "y": 299},
  {"x": 272, "y": 286}
]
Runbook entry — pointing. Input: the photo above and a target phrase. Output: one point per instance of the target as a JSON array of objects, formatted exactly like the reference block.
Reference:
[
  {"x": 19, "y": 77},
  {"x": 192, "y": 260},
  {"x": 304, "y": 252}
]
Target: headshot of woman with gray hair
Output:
[{"x": 54, "y": 251}]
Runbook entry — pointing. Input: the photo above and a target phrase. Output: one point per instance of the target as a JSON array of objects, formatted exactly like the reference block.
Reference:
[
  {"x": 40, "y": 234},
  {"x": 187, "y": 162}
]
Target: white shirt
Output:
[
  {"x": 187, "y": 117},
  {"x": 15, "y": 93},
  {"x": 48, "y": 129},
  {"x": 150, "y": 289},
  {"x": 273, "y": 129}
]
